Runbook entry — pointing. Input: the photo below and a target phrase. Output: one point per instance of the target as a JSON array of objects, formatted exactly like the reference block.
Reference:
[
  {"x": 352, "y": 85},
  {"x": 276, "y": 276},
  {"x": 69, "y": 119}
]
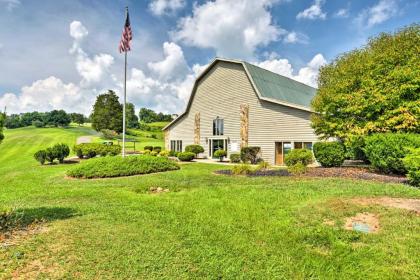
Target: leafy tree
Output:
[
  {"x": 148, "y": 116},
  {"x": 77, "y": 118},
  {"x": 57, "y": 118},
  {"x": 372, "y": 89},
  {"x": 107, "y": 113},
  {"x": 28, "y": 118},
  {"x": 2, "y": 116},
  {"x": 13, "y": 121},
  {"x": 132, "y": 120}
]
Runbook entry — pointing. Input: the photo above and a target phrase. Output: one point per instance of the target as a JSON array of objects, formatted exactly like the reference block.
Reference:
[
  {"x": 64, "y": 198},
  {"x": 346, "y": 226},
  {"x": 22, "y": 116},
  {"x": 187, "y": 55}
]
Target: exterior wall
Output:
[{"x": 220, "y": 93}]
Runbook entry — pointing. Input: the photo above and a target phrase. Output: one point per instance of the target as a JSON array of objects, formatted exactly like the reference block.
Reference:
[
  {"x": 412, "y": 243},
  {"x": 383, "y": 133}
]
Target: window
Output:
[
  {"x": 176, "y": 145},
  {"x": 218, "y": 126},
  {"x": 303, "y": 145}
]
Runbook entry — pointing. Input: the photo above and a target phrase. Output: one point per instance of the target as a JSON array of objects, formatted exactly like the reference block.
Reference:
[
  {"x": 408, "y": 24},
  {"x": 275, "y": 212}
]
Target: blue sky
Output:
[{"x": 62, "y": 54}]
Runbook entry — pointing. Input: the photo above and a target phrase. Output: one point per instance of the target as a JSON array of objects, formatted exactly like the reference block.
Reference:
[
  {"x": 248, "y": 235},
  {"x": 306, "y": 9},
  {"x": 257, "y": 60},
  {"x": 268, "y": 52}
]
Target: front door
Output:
[
  {"x": 282, "y": 149},
  {"x": 217, "y": 144}
]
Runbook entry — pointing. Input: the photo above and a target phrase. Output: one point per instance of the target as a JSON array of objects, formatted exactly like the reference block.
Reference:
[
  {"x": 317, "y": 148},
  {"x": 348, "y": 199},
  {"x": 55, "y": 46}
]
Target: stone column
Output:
[
  {"x": 244, "y": 113},
  {"x": 197, "y": 129},
  {"x": 167, "y": 144}
]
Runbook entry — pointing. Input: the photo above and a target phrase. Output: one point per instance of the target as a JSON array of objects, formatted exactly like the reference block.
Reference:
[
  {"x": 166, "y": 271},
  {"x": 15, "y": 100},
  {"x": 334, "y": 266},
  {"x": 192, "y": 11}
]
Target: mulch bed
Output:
[{"x": 334, "y": 172}]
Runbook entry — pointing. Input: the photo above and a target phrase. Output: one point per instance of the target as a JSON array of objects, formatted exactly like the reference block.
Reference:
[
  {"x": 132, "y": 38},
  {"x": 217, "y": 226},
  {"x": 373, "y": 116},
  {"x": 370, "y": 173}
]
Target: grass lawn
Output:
[{"x": 207, "y": 226}]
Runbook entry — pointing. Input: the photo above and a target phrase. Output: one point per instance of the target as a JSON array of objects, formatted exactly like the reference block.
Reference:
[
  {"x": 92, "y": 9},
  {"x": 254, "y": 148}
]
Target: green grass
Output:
[{"x": 207, "y": 226}]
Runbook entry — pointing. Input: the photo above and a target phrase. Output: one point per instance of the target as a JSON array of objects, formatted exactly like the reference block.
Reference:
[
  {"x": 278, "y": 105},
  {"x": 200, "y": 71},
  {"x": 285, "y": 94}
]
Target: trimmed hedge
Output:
[
  {"x": 90, "y": 150},
  {"x": 186, "y": 156},
  {"x": 235, "y": 158},
  {"x": 118, "y": 166},
  {"x": 195, "y": 149},
  {"x": 250, "y": 154},
  {"x": 58, "y": 151},
  {"x": 385, "y": 151},
  {"x": 150, "y": 148},
  {"x": 220, "y": 154},
  {"x": 412, "y": 164},
  {"x": 41, "y": 156},
  {"x": 302, "y": 156},
  {"x": 329, "y": 154}
]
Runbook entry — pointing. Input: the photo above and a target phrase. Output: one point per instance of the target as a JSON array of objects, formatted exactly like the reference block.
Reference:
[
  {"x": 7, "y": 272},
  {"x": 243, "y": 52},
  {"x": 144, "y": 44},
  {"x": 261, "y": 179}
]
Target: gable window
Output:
[
  {"x": 176, "y": 145},
  {"x": 218, "y": 126}
]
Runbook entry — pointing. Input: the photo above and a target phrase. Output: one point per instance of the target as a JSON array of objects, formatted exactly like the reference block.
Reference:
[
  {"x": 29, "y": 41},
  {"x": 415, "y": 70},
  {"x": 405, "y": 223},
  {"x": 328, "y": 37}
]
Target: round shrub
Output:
[
  {"x": 330, "y": 154},
  {"x": 295, "y": 156},
  {"x": 41, "y": 156},
  {"x": 235, "y": 158},
  {"x": 150, "y": 148},
  {"x": 118, "y": 166},
  {"x": 412, "y": 164},
  {"x": 195, "y": 149},
  {"x": 157, "y": 149},
  {"x": 61, "y": 151},
  {"x": 220, "y": 154},
  {"x": 250, "y": 154},
  {"x": 50, "y": 155},
  {"x": 38, "y": 124},
  {"x": 186, "y": 156},
  {"x": 164, "y": 153},
  {"x": 90, "y": 150},
  {"x": 385, "y": 151}
]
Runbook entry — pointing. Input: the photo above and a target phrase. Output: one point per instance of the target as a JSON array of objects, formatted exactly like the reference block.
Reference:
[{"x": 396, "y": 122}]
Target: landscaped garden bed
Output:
[{"x": 257, "y": 173}]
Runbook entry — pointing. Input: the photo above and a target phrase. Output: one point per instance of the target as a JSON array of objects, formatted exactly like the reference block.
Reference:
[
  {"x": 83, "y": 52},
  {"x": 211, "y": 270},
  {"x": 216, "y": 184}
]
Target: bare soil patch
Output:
[
  {"x": 17, "y": 236},
  {"x": 157, "y": 190},
  {"x": 354, "y": 173},
  {"x": 411, "y": 204},
  {"x": 364, "y": 222}
]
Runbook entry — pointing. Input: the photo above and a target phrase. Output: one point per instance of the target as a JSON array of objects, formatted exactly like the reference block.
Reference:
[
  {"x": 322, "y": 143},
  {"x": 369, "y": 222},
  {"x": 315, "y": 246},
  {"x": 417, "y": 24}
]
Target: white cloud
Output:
[
  {"x": 10, "y": 4},
  {"x": 382, "y": 11},
  {"x": 295, "y": 37},
  {"x": 173, "y": 67},
  {"x": 342, "y": 13},
  {"x": 162, "y": 7},
  {"x": 313, "y": 12},
  {"x": 232, "y": 28},
  {"x": 307, "y": 75}
]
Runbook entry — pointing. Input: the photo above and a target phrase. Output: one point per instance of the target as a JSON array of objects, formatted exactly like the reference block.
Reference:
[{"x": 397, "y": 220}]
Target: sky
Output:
[{"x": 62, "y": 54}]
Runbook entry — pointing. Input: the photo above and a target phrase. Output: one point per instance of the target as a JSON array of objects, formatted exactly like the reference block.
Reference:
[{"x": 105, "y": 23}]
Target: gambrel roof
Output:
[{"x": 268, "y": 85}]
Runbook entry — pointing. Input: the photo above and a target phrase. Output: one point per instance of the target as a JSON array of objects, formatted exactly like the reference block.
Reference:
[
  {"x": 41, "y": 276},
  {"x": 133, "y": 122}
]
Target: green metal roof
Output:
[{"x": 274, "y": 86}]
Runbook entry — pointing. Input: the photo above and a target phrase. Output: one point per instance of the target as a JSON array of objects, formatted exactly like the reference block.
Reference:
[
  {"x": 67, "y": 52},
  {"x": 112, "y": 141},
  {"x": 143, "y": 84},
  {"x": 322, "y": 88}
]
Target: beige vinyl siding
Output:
[{"x": 220, "y": 93}]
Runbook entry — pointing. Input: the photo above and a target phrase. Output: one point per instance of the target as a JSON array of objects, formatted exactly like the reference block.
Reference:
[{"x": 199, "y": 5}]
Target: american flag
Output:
[{"x": 126, "y": 36}]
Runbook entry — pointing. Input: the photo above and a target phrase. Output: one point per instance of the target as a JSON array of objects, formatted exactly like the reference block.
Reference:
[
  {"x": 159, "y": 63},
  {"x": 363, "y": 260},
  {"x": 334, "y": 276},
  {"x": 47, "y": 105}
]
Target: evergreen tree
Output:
[
  {"x": 132, "y": 120},
  {"x": 107, "y": 112}
]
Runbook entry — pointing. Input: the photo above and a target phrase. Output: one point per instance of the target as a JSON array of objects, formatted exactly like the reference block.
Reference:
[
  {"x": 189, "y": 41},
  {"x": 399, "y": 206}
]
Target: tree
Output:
[
  {"x": 372, "y": 89},
  {"x": 57, "y": 118},
  {"x": 132, "y": 120},
  {"x": 2, "y": 117},
  {"x": 77, "y": 118},
  {"x": 12, "y": 121},
  {"x": 107, "y": 112},
  {"x": 148, "y": 116},
  {"x": 28, "y": 118}
]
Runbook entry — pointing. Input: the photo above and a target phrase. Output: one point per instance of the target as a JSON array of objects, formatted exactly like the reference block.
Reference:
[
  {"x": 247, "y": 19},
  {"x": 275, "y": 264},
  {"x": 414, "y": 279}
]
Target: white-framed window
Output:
[
  {"x": 302, "y": 145},
  {"x": 218, "y": 126},
  {"x": 176, "y": 145}
]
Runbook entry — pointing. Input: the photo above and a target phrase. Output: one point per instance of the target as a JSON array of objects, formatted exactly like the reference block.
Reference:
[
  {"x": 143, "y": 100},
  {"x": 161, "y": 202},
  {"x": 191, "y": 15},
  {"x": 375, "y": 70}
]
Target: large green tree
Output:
[
  {"x": 132, "y": 120},
  {"x": 372, "y": 89},
  {"x": 148, "y": 115},
  {"x": 78, "y": 118},
  {"x": 107, "y": 112}
]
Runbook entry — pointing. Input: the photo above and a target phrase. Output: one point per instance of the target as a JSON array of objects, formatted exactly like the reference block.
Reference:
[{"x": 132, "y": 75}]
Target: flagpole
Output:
[{"x": 125, "y": 101}]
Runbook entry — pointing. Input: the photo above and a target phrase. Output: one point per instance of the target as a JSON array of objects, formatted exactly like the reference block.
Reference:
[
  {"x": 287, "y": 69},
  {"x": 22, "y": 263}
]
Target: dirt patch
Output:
[
  {"x": 157, "y": 190},
  {"x": 17, "y": 236},
  {"x": 411, "y": 204},
  {"x": 363, "y": 222},
  {"x": 354, "y": 173}
]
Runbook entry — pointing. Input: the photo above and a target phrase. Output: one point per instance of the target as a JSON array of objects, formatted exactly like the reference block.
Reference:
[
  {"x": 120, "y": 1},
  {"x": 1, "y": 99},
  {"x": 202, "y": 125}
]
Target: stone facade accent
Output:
[
  {"x": 244, "y": 113},
  {"x": 167, "y": 143},
  {"x": 197, "y": 129}
]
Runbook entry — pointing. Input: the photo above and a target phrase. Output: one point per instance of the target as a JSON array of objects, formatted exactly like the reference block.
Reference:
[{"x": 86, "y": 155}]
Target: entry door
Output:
[
  {"x": 217, "y": 144},
  {"x": 279, "y": 153}
]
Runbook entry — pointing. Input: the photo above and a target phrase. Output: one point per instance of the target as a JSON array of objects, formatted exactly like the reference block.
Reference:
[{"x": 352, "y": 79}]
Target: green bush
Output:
[
  {"x": 109, "y": 134},
  {"x": 61, "y": 151},
  {"x": 412, "y": 164},
  {"x": 150, "y": 148},
  {"x": 297, "y": 169},
  {"x": 220, "y": 154},
  {"x": 38, "y": 124},
  {"x": 41, "y": 156},
  {"x": 50, "y": 155},
  {"x": 173, "y": 153},
  {"x": 355, "y": 148},
  {"x": 250, "y": 154},
  {"x": 235, "y": 158},
  {"x": 186, "y": 156},
  {"x": 164, "y": 153},
  {"x": 157, "y": 149},
  {"x": 263, "y": 165},
  {"x": 242, "y": 169},
  {"x": 147, "y": 152},
  {"x": 154, "y": 153},
  {"x": 385, "y": 151},
  {"x": 195, "y": 149},
  {"x": 296, "y": 156},
  {"x": 329, "y": 154},
  {"x": 119, "y": 166},
  {"x": 90, "y": 150}
]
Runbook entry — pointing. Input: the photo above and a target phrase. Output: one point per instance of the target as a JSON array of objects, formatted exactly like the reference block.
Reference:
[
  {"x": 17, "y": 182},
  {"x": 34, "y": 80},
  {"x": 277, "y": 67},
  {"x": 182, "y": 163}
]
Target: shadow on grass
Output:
[{"x": 23, "y": 217}]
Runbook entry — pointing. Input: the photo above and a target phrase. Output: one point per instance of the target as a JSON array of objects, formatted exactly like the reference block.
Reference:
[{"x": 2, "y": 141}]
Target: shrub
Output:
[
  {"x": 412, "y": 164},
  {"x": 250, "y": 154},
  {"x": 296, "y": 156},
  {"x": 355, "y": 148},
  {"x": 119, "y": 166},
  {"x": 10, "y": 220},
  {"x": 147, "y": 152},
  {"x": 195, "y": 149},
  {"x": 385, "y": 151},
  {"x": 41, "y": 156},
  {"x": 50, "y": 155},
  {"x": 61, "y": 151},
  {"x": 297, "y": 169},
  {"x": 109, "y": 134},
  {"x": 186, "y": 156},
  {"x": 150, "y": 148},
  {"x": 220, "y": 154},
  {"x": 154, "y": 153},
  {"x": 263, "y": 165},
  {"x": 90, "y": 150},
  {"x": 329, "y": 154},
  {"x": 235, "y": 158},
  {"x": 242, "y": 169},
  {"x": 164, "y": 153},
  {"x": 157, "y": 149},
  {"x": 38, "y": 124},
  {"x": 173, "y": 153}
]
